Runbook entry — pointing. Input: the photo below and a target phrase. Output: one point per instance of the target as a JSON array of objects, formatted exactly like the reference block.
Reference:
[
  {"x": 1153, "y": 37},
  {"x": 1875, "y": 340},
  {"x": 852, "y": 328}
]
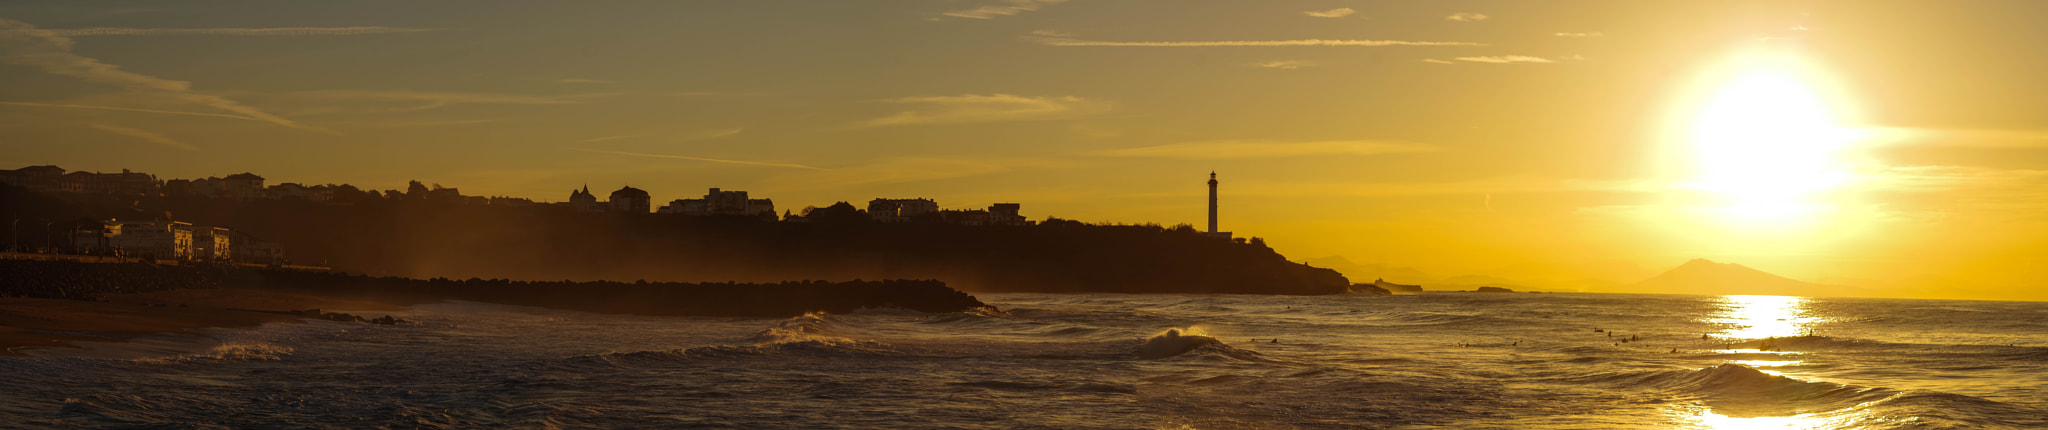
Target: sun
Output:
[{"x": 1765, "y": 139}]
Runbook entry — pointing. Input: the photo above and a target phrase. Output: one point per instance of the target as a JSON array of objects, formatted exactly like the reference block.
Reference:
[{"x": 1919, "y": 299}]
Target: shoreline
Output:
[{"x": 41, "y": 326}]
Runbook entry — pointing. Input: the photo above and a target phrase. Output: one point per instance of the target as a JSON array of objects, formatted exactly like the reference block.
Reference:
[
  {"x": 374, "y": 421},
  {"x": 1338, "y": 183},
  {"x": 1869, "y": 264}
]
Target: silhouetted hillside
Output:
[
  {"x": 1701, "y": 276},
  {"x": 423, "y": 239}
]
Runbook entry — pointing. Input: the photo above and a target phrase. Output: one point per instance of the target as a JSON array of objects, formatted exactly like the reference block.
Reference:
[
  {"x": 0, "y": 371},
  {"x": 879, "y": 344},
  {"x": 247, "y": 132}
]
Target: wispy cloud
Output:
[
  {"x": 1505, "y": 59},
  {"x": 1235, "y": 149},
  {"x": 437, "y": 122},
  {"x": 1592, "y": 34},
  {"x": 1298, "y": 42},
  {"x": 421, "y": 100},
  {"x": 25, "y": 45},
  {"x": 125, "y": 109},
  {"x": 611, "y": 138},
  {"x": 713, "y": 160},
  {"x": 145, "y": 136},
  {"x": 1433, "y": 60},
  {"x": 1285, "y": 64},
  {"x": 713, "y": 134},
  {"x": 984, "y": 108},
  {"x": 1332, "y": 13},
  {"x": 1958, "y": 137},
  {"x": 1006, "y": 8},
  {"x": 275, "y": 31},
  {"x": 898, "y": 170},
  {"x": 1467, "y": 17}
]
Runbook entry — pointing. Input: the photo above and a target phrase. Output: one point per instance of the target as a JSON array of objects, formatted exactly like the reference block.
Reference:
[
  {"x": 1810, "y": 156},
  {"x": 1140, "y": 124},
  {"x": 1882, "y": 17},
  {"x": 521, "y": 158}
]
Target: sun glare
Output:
[
  {"x": 1765, "y": 139},
  {"x": 1759, "y": 317}
]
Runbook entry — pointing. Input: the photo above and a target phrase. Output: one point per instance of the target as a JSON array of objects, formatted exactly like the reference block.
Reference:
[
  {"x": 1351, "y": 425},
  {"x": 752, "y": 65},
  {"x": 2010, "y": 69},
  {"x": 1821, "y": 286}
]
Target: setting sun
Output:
[{"x": 1767, "y": 140}]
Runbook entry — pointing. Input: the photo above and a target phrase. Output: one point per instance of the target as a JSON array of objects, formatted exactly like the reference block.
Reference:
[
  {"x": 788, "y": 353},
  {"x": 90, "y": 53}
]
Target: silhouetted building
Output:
[
  {"x": 1212, "y": 211},
  {"x": 444, "y": 195},
  {"x": 972, "y": 217},
  {"x": 35, "y": 178},
  {"x": 1006, "y": 214},
  {"x": 720, "y": 202},
  {"x": 583, "y": 201},
  {"x": 900, "y": 210},
  {"x": 630, "y": 200},
  {"x": 290, "y": 190}
]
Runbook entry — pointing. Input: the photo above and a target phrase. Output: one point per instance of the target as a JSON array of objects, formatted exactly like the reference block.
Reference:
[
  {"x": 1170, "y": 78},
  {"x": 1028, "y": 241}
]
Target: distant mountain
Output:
[{"x": 1701, "y": 276}]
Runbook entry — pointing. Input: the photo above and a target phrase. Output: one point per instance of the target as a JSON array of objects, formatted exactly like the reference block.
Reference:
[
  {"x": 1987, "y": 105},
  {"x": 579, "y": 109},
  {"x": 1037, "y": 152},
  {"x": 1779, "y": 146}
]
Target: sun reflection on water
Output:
[{"x": 1760, "y": 317}]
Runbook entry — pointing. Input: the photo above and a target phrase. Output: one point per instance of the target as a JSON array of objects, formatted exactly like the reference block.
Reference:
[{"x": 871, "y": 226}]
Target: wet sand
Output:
[{"x": 27, "y": 325}]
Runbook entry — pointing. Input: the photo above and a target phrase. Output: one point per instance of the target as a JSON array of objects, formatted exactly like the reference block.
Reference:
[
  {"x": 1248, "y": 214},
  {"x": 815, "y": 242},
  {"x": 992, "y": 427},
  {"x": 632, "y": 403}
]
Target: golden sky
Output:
[{"x": 1895, "y": 147}]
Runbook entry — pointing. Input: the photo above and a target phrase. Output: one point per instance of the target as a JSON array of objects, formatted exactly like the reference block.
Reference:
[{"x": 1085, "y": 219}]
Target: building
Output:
[
  {"x": 248, "y": 249},
  {"x": 1006, "y": 214},
  {"x": 157, "y": 240},
  {"x": 721, "y": 202},
  {"x": 972, "y": 217},
  {"x": 900, "y": 210},
  {"x": 630, "y": 200},
  {"x": 243, "y": 186},
  {"x": 211, "y": 244},
  {"x": 43, "y": 179},
  {"x": 584, "y": 201},
  {"x": 1212, "y": 211}
]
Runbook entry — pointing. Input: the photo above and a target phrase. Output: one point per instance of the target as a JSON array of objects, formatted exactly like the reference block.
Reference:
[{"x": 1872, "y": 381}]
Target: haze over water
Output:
[{"x": 1456, "y": 360}]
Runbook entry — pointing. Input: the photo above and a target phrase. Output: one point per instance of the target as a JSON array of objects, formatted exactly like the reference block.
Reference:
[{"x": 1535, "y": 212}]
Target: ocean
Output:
[{"x": 1432, "y": 360}]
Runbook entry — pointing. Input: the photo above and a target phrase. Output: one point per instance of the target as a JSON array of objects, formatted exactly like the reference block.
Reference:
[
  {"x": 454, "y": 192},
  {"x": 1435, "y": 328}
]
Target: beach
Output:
[{"x": 59, "y": 327}]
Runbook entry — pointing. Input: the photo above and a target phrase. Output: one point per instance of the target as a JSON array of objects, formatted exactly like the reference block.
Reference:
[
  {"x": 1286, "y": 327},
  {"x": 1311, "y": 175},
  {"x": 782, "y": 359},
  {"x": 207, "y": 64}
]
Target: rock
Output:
[{"x": 1493, "y": 290}]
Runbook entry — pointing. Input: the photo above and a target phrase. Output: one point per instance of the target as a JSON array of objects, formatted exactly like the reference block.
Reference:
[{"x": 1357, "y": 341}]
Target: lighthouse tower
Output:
[
  {"x": 1212, "y": 202},
  {"x": 1212, "y": 211}
]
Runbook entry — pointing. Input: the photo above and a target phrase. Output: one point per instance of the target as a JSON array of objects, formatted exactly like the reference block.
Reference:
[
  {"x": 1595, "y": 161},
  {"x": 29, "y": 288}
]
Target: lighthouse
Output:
[
  {"x": 1212, "y": 202},
  {"x": 1212, "y": 211}
]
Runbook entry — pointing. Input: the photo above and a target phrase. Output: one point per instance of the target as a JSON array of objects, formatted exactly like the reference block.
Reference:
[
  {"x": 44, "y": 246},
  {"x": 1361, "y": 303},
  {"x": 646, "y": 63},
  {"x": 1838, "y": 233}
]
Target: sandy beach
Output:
[{"x": 30, "y": 325}]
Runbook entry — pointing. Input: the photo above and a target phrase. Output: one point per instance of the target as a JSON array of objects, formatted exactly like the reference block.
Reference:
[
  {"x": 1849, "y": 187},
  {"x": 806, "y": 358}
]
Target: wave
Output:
[
  {"x": 1174, "y": 341},
  {"x": 228, "y": 352},
  {"x": 1737, "y": 390}
]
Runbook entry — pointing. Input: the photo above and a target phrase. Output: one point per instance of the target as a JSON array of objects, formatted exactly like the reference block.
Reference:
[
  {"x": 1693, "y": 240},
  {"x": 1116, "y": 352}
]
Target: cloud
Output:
[
  {"x": 1592, "y": 34},
  {"x": 1332, "y": 13},
  {"x": 437, "y": 122},
  {"x": 277, "y": 31},
  {"x": 424, "y": 100},
  {"x": 1467, "y": 17},
  {"x": 25, "y": 45},
  {"x": 1233, "y": 149},
  {"x": 585, "y": 81},
  {"x": 1285, "y": 64},
  {"x": 1299, "y": 42},
  {"x": 898, "y": 170},
  {"x": 1505, "y": 59},
  {"x": 714, "y": 160},
  {"x": 1006, "y": 8},
  {"x": 984, "y": 108},
  {"x": 144, "y": 135},
  {"x": 1433, "y": 60},
  {"x": 609, "y": 138},
  {"x": 713, "y": 134},
  {"x": 1958, "y": 137},
  {"x": 1051, "y": 33},
  {"x": 123, "y": 109}
]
